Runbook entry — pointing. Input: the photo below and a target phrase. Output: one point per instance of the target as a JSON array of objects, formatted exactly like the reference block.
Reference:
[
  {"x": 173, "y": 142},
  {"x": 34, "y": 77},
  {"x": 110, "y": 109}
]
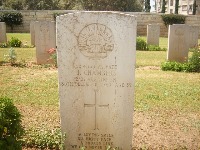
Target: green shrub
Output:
[
  {"x": 141, "y": 44},
  {"x": 11, "y": 129},
  {"x": 170, "y": 19},
  {"x": 173, "y": 66},
  {"x": 44, "y": 139},
  {"x": 11, "y": 57},
  {"x": 194, "y": 61},
  {"x": 193, "y": 65},
  {"x": 155, "y": 48},
  {"x": 11, "y": 18},
  {"x": 3, "y": 45},
  {"x": 14, "y": 42}
]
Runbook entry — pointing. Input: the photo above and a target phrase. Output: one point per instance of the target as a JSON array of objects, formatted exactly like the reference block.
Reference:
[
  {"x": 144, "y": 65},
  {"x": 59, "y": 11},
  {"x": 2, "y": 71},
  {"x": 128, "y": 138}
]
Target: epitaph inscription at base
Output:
[{"x": 96, "y": 58}]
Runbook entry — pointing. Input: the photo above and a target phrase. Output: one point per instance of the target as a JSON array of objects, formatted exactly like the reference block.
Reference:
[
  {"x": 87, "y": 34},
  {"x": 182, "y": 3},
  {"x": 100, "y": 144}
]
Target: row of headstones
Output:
[
  {"x": 43, "y": 36},
  {"x": 181, "y": 37},
  {"x": 3, "y": 37}
]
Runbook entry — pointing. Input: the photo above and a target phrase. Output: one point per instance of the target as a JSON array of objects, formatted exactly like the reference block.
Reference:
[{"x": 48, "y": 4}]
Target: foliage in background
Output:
[
  {"x": 194, "y": 61},
  {"x": 12, "y": 4},
  {"x": 116, "y": 5},
  {"x": 163, "y": 6},
  {"x": 14, "y": 42},
  {"x": 11, "y": 57},
  {"x": 111, "y": 5},
  {"x": 155, "y": 48},
  {"x": 44, "y": 139},
  {"x": 193, "y": 65},
  {"x": 194, "y": 7},
  {"x": 11, "y": 129},
  {"x": 11, "y": 18},
  {"x": 141, "y": 44},
  {"x": 176, "y": 6},
  {"x": 42, "y": 4},
  {"x": 147, "y": 6},
  {"x": 170, "y": 19}
]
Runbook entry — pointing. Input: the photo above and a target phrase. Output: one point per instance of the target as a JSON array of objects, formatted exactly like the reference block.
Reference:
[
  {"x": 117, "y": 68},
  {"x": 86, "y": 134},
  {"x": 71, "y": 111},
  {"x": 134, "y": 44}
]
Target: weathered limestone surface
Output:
[
  {"x": 32, "y": 32},
  {"x": 193, "y": 36},
  {"x": 3, "y": 37},
  {"x": 178, "y": 43},
  {"x": 45, "y": 39},
  {"x": 153, "y": 34},
  {"x": 96, "y": 58}
]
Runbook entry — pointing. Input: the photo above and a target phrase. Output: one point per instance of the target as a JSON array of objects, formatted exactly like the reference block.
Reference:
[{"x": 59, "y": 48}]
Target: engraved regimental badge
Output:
[{"x": 95, "y": 41}]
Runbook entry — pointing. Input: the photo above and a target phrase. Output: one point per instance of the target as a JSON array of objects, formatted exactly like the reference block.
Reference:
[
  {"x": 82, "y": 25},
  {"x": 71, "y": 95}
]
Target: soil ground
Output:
[{"x": 151, "y": 130}]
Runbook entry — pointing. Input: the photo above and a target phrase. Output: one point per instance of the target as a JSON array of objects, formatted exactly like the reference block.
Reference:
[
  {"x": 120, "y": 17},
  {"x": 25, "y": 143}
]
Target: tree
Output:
[
  {"x": 42, "y": 4},
  {"x": 147, "y": 6},
  {"x": 72, "y": 4},
  {"x": 12, "y": 4},
  {"x": 111, "y": 5},
  {"x": 194, "y": 8},
  {"x": 163, "y": 6},
  {"x": 176, "y": 6}
]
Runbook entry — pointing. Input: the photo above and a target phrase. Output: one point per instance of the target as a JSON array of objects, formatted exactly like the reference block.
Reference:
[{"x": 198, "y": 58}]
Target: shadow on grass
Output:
[{"x": 18, "y": 64}]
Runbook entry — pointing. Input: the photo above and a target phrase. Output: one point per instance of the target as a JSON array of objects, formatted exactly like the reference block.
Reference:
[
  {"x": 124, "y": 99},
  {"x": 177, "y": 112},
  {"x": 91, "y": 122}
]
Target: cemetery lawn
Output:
[{"x": 167, "y": 104}]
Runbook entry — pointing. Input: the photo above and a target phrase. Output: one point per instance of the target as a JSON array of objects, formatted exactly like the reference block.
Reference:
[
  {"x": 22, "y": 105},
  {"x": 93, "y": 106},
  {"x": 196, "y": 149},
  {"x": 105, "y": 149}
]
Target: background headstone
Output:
[
  {"x": 193, "y": 36},
  {"x": 96, "y": 58},
  {"x": 178, "y": 43},
  {"x": 153, "y": 34},
  {"x": 3, "y": 37},
  {"x": 45, "y": 39},
  {"x": 32, "y": 32}
]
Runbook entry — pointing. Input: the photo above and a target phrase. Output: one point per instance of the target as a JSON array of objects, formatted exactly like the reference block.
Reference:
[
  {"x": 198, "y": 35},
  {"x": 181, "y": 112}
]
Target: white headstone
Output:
[
  {"x": 45, "y": 39},
  {"x": 32, "y": 32},
  {"x": 3, "y": 37},
  {"x": 178, "y": 43},
  {"x": 153, "y": 34},
  {"x": 193, "y": 36},
  {"x": 96, "y": 58}
]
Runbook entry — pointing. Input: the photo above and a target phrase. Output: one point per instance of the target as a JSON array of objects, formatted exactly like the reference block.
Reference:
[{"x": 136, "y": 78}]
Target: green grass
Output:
[
  {"x": 163, "y": 41},
  {"x": 23, "y": 54},
  {"x": 150, "y": 58},
  {"x": 37, "y": 86},
  {"x": 157, "y": 89},
  {"x": 24, "y": 37}
]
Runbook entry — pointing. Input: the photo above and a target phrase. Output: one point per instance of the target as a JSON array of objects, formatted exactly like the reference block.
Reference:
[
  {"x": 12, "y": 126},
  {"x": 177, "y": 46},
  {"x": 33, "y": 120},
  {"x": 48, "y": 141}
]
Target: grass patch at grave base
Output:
[
  {"x": 37, "y": 86},
  {"x": 167, "y": 90},
  {"x": 24, "y": 37},
  {"x": 150, "y": 58},
  {"x": 23, "y": 54}
]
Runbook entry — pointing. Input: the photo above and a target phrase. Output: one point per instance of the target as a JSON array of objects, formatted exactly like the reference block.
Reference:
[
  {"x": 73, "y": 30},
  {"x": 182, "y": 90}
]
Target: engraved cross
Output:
[{"x": 96, "y": 106}]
